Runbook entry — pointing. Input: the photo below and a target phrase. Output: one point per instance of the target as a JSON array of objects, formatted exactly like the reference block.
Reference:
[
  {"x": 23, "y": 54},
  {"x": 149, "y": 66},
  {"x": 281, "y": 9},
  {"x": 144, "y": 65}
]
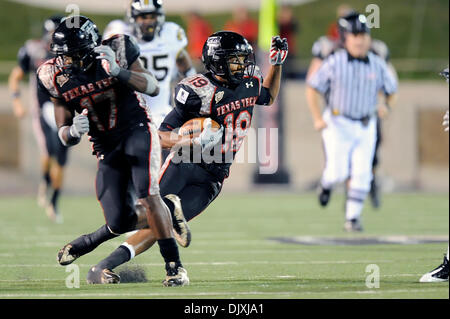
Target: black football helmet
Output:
[
  {"x": 352, "y": 23},
  {"x": 75, "y": 38},
  {"x": 224, "y": 47},
  {"x": 146, "y": 31}
]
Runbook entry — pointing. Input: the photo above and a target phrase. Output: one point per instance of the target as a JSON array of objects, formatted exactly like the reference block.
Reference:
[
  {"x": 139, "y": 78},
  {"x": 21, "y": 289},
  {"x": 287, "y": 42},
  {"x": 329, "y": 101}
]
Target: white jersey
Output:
[{"x": 159, "y": 57}]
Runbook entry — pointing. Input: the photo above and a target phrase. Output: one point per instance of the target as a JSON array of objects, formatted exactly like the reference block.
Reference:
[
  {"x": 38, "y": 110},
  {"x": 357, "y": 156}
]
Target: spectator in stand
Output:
[
  {"x": 289, "y": 29},
  {"x": 341, "y": 11},
  {"x": 242, "y": 23},
  {"x": 198, "y": 30}
]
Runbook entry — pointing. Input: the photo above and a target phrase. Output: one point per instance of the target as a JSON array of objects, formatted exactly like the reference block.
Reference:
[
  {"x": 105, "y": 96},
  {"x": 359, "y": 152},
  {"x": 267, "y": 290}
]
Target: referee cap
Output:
[{"x": 353, "y": 22}]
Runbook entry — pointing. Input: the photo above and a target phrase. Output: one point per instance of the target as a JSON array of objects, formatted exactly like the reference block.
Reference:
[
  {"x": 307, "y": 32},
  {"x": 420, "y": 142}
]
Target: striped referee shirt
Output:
[{"x": 350, "y": 86}]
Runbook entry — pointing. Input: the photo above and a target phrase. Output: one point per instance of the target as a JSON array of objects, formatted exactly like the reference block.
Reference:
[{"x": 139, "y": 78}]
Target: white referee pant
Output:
[{"x": 349, "y": 147}]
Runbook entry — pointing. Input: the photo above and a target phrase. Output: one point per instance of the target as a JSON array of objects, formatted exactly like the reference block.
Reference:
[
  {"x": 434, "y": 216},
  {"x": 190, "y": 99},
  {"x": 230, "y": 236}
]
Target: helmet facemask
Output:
[
  {"x": 75, "y": 62},
  {"x": 239, "y": 64},
  {"x": 146, "y": 30}
]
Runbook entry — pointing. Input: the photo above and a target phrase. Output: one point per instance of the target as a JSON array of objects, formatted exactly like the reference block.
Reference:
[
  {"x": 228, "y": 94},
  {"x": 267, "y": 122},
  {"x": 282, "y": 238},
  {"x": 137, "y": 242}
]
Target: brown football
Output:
[{"x": 194, "y": 127}]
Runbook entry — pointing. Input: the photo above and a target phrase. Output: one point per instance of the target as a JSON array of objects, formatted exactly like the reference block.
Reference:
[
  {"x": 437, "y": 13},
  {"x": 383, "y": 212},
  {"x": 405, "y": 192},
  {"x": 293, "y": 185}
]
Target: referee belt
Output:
[{"x": 365, "y": 119}]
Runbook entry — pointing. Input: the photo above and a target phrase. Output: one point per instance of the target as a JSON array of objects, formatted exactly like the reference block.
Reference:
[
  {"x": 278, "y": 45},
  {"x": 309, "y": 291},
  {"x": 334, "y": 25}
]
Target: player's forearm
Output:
[
  {"x": 390, "y": 100},
  {"x": 139, "y": 81},
  {"x": 273, "y": 81},
  {"x": 169, "y": 139},
  {"x": 14, "y": 81},
  {"x": 312, "y": 97},
  {"x": 184, "y": 64}
]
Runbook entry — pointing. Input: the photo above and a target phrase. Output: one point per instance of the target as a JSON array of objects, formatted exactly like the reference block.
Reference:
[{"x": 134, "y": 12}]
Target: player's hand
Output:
[
  {"x": 19, "y": 110},
  {"x": 445, "y": 122},
  {"x": 80, "y": 124},
  {"x": 208, "y": 137},
  {"x": 108, "y": 57},
  {"x": 383, "y": 111},
  {"x": 278, "y": 50},
  {"x": 320, "y": 124}
]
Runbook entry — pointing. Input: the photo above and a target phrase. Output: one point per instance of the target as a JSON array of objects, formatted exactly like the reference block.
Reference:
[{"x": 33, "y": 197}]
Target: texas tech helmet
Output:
[
  {"x": 146, "y": 31},
  {"x": 73, "y": 43},
  {"x": 224, "y": 47}
]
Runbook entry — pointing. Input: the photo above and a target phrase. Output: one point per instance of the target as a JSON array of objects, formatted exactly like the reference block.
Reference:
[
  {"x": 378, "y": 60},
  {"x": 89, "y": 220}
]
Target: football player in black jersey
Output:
[
  {"x": 53, "y": 152},
  {"x": 103, "y": 84},
  {"x": 227, "y": 94}
]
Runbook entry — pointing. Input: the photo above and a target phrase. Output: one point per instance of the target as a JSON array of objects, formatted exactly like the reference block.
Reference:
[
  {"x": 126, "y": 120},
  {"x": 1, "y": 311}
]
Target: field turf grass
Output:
[{"x": 231, "y": 256}]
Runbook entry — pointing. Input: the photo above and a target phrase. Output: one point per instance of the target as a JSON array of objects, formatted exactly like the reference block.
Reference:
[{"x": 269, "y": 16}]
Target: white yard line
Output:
[{"x": 224, "y": 263}]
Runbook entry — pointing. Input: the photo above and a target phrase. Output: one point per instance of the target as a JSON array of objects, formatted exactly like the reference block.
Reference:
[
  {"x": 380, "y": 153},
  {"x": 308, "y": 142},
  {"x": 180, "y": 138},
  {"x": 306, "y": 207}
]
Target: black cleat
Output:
[
  {"x": 97, "y": 275},
  {"x": 439, "y": 274},
  {"x": 353, "y": 225},
  {"x": 65, "y": 256},
  {"x": 176, "y": 276},
  {"x": 374, "y": 194},
  {"x": 324, "y": 196},
  {"x": 180, "y": 225}
]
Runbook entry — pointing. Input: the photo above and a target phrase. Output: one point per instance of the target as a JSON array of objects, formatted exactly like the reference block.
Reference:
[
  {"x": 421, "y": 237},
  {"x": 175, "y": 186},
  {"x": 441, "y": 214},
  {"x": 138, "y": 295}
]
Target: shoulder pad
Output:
[
  {"x": 380, "y": 48},
  {"x": 120, "y": 43},
  {"x": 174, "y": 34},
  {"x": 46, "y": 74},
  {"x": 204, "y": 89},
  {"x": 323, "y": 47}
]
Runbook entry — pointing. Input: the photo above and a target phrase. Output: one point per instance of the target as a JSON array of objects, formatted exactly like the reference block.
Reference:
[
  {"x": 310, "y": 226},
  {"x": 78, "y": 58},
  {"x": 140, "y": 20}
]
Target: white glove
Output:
[
  {"x": 80, "y": 124},
  {"x": 208, "y": 138},
  {"x": 278, "y": 50},
  {"x": 108, "y": 57},
  {"x": 445, "y": 123}
]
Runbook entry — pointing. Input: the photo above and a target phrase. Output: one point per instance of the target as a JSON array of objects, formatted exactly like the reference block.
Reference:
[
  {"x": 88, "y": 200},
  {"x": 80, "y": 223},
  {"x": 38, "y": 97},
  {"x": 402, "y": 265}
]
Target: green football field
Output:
[{"x": 234, "y": 253}]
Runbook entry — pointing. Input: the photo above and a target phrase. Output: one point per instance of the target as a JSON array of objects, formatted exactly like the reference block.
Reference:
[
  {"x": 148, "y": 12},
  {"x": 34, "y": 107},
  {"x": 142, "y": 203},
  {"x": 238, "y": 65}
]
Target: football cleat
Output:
[
  {"x": 324, "y": 196},
  {"x": 65, "y": 257},
  {"x": 98, "y": 275},
  {"x": 353, "y": 225},
  {"x": 53, "y": 214},
  {"x": 180, "y": 225},
  {"x": 176, "y": 276},
  {"x": 439, "y": 274}
]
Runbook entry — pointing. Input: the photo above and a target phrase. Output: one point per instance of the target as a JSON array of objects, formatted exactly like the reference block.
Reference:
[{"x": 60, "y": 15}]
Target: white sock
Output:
[
  {"x": 130, "y": 249},
  {"x": 353, "y": 209}
]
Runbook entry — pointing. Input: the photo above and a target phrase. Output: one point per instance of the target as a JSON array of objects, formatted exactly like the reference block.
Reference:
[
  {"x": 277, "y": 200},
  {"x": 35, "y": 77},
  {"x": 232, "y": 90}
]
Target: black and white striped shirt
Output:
[{"x": 350, "y": 85}]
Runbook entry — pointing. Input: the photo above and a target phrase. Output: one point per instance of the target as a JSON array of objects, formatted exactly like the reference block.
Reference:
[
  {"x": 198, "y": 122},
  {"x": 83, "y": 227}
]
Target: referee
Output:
[{"x": 350, "y": 80}]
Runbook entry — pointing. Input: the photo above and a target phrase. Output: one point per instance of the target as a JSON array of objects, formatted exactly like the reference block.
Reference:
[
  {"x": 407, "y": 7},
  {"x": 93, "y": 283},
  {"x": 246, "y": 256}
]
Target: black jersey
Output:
[
  {"x": 32, "y": 55},
  {"x": 202, "y": 95},
  {"x": 113, "y": 107}
]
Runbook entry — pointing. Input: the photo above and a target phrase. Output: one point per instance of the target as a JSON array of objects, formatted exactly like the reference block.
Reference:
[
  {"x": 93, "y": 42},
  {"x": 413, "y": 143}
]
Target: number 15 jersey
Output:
[{"x": 159, "y": 57}]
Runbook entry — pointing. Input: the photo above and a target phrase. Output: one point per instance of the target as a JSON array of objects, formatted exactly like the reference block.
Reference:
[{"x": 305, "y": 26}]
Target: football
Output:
[{"x": 194, "y": 127}]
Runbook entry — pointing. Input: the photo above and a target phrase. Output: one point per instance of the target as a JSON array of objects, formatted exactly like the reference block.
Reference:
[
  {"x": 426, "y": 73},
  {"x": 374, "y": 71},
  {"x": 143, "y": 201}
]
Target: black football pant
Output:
[{"x": 195, "y": 186}]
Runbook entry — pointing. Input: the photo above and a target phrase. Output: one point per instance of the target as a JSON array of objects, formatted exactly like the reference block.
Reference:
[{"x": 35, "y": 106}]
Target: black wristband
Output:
[
  {"x": 72, "y": 140},
  {"x": 124, "y": 75}
]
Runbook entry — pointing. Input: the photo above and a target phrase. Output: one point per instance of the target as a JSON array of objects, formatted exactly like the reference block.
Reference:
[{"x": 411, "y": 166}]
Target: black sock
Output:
[
  {"x": 169, "y": 250},
  {"x": 118, "y": 257},
  {"x": 47, "y": 178},
  {"x": 87, "y": 243},
  {"x": 54, "y": 199}
]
